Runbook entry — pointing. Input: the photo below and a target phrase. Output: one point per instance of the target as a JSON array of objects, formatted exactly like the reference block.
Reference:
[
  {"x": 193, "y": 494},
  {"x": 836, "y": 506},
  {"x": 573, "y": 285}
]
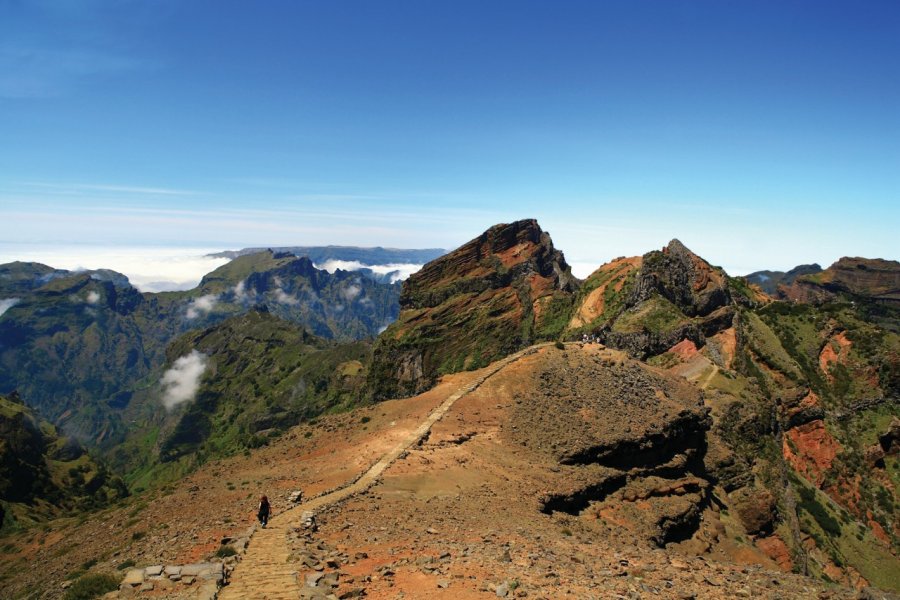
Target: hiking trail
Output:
[{"x": 265, "y": 573}]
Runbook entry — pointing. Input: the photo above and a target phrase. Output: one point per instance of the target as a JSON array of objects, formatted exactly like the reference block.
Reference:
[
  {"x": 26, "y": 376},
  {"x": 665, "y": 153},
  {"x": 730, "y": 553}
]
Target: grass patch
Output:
[
  {"x": 225, "y": 551},
  {"x": 811, "y": 504},
  {"x": 92, "y": 586},
  {"x": 656, "y": 315}
]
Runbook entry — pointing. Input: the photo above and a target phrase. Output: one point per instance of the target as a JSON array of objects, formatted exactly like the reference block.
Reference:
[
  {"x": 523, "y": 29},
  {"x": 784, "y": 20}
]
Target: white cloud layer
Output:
[
  {"x": 93, "y": 297},
  {"x": 8, "y": 303},
  {"x": 149, "y": 269},
  {"x": 181, "y": 382}
]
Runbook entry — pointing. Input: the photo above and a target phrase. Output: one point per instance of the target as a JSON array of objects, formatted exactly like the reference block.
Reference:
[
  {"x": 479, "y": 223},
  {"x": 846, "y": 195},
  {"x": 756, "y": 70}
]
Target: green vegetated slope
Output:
[
  {"x": 803, "y": 404},
  {"x": 44, "y": 474},
  {"x": 261, "y": 375},
  {"x": 805, "y": 398},
  {"x": 79, "y": 346}
]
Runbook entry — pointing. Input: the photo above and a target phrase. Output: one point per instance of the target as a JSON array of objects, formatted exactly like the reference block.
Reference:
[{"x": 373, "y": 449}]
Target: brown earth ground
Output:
[{"x": 456, "y": 517}]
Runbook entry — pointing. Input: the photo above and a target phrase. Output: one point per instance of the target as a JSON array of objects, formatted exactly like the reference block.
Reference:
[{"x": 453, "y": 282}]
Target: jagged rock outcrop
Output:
[
  {"x": 684, "y": 279},
  {"x": 647, "y": 305},
  {"x": 500, "y": 292}
]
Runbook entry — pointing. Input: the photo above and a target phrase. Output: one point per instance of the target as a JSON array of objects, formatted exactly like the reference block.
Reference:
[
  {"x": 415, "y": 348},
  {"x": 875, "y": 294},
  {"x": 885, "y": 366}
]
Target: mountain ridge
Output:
[{"x": 710, "y": 418}]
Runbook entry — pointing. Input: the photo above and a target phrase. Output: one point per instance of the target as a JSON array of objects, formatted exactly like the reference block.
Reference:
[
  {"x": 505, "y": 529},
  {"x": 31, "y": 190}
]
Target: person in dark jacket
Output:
[{"x": 263, "y": 512}]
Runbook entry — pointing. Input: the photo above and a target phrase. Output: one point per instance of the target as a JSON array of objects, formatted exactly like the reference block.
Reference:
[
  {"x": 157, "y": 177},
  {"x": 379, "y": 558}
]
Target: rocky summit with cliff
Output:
[{"x": 658, "y": 429}]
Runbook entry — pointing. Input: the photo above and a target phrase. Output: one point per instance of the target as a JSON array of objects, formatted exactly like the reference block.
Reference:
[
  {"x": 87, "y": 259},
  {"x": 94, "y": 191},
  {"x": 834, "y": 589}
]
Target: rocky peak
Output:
[
  {"x": 683, "y": 278},
  {"x": 496, "y": 294},
  {"x": 495, "y": 259}
]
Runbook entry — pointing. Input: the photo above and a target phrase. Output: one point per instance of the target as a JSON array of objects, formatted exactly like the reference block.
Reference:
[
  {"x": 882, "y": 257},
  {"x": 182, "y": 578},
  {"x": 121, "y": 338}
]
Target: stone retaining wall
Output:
[{"x": 198, "y": 580}]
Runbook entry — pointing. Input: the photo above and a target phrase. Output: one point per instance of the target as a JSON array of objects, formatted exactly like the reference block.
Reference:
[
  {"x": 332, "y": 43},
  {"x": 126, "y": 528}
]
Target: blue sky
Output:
[{"x": 761, "y": 134}]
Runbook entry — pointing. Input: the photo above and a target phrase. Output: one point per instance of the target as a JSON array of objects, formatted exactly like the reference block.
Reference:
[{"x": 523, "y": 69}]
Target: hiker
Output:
[{"x": 263, "y": 513}]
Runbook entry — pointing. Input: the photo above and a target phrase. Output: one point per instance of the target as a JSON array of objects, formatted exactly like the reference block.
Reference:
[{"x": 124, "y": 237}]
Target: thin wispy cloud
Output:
[
  {"x": 85, "y": 188},
  {"x": 40, "y": 71},
  {"x": 53, "y": 49},
  {"x": 283, "y": 297},
  {"x": 242, "y": 294},
  {"x": 351, "y": 292}
]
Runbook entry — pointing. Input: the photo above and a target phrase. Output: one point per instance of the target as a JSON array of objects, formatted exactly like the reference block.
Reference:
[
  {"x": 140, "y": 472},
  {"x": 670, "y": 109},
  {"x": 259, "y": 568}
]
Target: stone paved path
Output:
[{"x": 265, "y": 573}]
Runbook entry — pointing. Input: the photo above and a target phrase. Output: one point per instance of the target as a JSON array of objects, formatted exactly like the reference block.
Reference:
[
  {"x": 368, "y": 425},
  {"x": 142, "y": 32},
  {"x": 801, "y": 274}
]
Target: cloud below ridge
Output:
[
  {"x": 202, "y": 305},
  {"x": 181, "y": 382},
  {"x": 398, "y": 271},
  {"x": 8, "y": 303}
]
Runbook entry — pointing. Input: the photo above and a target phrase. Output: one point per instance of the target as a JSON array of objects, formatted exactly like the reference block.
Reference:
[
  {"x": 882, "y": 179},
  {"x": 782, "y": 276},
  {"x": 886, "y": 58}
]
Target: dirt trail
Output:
[{"x": 265, "y": 573}]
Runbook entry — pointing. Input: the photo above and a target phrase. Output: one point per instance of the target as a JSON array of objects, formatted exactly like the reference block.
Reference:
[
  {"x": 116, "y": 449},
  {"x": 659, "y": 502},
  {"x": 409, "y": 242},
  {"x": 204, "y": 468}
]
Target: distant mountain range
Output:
[
  {"x": 769, "y": 281},
  {"x": 365, "y": 256},
  {"x": 79, "y": 346}
]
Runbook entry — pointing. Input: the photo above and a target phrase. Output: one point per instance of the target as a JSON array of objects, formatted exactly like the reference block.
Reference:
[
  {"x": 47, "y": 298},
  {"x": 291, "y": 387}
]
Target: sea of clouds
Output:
[
  {"x": 152, "y": 269},
  {"x": 149, "y": 269}
]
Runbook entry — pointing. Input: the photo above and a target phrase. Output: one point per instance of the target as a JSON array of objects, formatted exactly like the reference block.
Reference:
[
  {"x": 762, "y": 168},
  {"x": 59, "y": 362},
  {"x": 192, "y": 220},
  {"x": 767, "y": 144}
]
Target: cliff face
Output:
[{"x": 500, "y": 292}]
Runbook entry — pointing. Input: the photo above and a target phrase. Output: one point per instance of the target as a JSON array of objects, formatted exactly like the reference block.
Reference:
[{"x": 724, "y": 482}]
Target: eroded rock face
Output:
[
  {"x": 629, "y": 443},
  {"x": 810, "y": 449},
  {"x": 500, "y": 292},
  {"x": 755, "y": 508}
]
